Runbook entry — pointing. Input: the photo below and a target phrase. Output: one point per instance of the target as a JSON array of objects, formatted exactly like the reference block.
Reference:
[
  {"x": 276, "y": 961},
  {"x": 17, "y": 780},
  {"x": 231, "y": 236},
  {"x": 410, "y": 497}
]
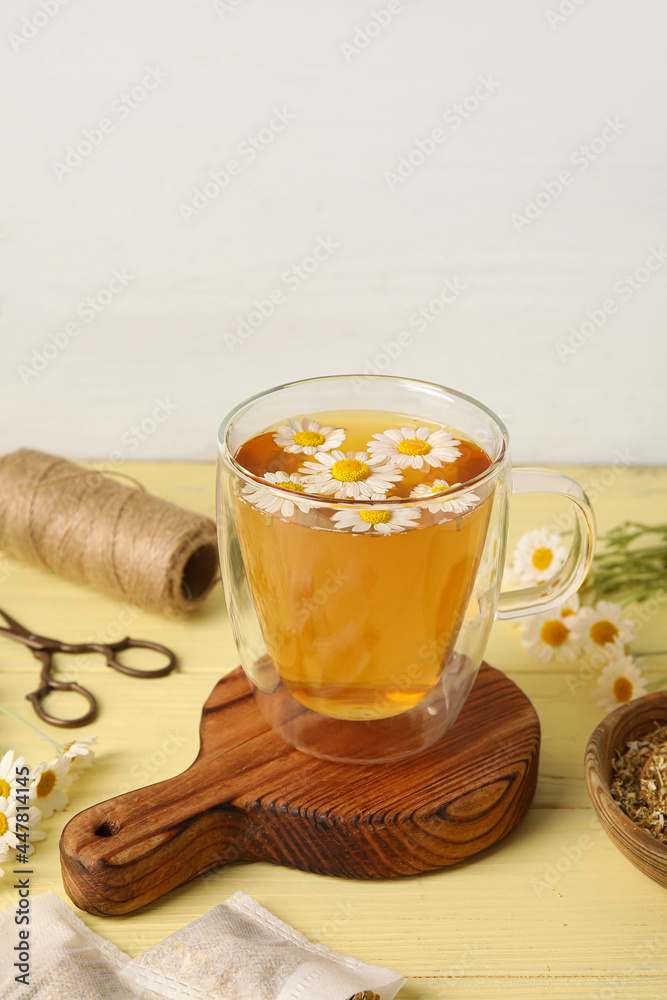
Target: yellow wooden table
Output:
[{"x": 553, "y": 911}]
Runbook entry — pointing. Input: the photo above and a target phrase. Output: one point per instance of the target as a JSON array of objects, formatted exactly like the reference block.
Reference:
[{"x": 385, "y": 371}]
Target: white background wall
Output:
[{"x": 218, "y": 72}]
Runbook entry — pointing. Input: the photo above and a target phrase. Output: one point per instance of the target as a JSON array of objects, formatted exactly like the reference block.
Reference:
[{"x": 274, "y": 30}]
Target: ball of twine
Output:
[{"x": 85, "y": 526}]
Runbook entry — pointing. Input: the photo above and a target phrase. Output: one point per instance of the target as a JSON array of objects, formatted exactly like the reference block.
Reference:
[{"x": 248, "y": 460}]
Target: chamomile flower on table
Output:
[
  {"x": 570, "y": 607},
  {"x": 621, "y": 681},
  {"x": 383, "y": 520},
  {"x": 34, "y": 831},
  {"x": 7, "y": 856},
  {"x": 271, "y": 504},
  {"x": 49, "y": 785},
  {"x": 308, "y": 436},
  {"x": 458, "y": 505},
  {"x": 511, "y": 579},
  {"x": 548, "y": 636},
  {"x": 9, "y": 765},
  {"x": 80, "y": 754},
  {"x": 352, "y": 475},
  {"x": 8, "y": 839},
  {"x": 602, "y": 627},
  {"x": 538, "y": 555},
  {"x": 414, "y": 447}
]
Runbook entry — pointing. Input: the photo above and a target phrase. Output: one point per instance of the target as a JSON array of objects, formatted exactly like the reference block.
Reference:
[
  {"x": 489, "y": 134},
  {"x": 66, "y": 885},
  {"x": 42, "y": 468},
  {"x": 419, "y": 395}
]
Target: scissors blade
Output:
[{"x": 14, "y": 628}]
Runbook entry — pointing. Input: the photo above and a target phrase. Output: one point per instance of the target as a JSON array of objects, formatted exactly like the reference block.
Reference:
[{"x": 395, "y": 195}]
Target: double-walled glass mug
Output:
[{"x": 362, "y": 526}]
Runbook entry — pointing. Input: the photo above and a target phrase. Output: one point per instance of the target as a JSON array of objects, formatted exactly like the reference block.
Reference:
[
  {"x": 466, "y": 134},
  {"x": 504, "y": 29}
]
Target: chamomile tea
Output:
[{"x": 359, "y": 563}]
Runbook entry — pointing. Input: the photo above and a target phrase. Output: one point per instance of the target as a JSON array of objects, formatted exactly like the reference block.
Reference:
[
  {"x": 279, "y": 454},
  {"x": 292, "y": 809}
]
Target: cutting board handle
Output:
[
  {"x": 131, "y": 849},
  {"x": 148, "y": 841},
  {"x": 249, "y": 796}
]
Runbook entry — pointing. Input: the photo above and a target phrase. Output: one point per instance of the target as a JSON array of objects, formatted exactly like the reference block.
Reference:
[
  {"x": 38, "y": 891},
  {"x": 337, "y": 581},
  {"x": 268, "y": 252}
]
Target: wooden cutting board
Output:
[{"x": 251, "y": 797}]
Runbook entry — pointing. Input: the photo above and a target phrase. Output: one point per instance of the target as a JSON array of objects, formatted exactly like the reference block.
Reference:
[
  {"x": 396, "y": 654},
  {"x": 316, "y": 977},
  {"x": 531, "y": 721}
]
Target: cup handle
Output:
[{"x": 548, "y": 595}]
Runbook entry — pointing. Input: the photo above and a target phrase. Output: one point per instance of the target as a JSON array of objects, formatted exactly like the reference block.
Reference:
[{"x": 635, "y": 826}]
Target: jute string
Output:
[{"x": 84, "y": 526}]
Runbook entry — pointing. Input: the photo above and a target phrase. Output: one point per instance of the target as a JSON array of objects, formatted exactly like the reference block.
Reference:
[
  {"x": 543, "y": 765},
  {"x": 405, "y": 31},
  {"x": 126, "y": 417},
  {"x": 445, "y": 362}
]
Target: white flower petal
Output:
[
  {"x": 548, "y": 636},
  {"x": 321, "y": 476},
  {"x": 621, "y": 681},
  {"x": 399, "y": 519},
  {"x": 440, "y": 447},
  {"x": 266, "y": 501},
  {"x": 285, "y": 436},
  {"x": 438, "y": 490},
  {"x": 11, "y": 767},
  {"x": 392, "y": 433},
  {"x": 528, "y": 552},
  {"x": 50, "y": 796},
  {"x": 8, "y": 812},
  {"x": 604, "y": 621}
]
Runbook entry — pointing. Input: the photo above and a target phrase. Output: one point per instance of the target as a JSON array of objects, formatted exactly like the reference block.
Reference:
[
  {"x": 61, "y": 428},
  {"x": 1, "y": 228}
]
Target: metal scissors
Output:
[{"x": 43, "y": 649}]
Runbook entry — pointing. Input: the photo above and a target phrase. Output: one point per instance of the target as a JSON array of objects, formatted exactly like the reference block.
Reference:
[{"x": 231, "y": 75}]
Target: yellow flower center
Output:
[
  {"x": 46, "y": 784},
  {"x": 554, "y": 633},
  {"x": 566, "y": 612},
  {"x": 603, "y": 632},
  {"x": 375, "y": 516},
  {"x": 542, "y": 558},
  {"x": 414, "y": 446},
  {"x": 297, "y": 487},
  {"x": 4, "y": 789},
  {"x": 308, "y": 439},
  {"x": 439, "y": 487},
  {"x": 4, "y": 825},
  {"x": 622, "y": 689},
  {"x": 350, "y": 470}
]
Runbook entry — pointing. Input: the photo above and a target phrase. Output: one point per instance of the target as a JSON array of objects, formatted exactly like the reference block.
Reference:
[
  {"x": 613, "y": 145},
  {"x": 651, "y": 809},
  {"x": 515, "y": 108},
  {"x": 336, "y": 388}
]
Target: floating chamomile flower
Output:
[
  {"x": 416, "y": 448},
  {"x": 620, "y": 681},
  {"x": 538, "y": 556},
  {"x": 549, "y": 635},
  {"x": 352, "y": 475},
  {"x": 47, "y": 789},
  {"x": 269, "y": 502},
  {"x": 384, "y": 520},
  {"x": 459, "y": 505},
  {"x": 9, "y": 765},
  {"x": 602, "y": 627},
  {"x": 308, "y": 436}
]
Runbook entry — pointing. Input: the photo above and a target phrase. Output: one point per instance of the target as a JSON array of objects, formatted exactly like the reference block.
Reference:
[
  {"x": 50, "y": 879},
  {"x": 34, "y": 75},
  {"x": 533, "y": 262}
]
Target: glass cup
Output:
[{"x": 362, "y": 646}]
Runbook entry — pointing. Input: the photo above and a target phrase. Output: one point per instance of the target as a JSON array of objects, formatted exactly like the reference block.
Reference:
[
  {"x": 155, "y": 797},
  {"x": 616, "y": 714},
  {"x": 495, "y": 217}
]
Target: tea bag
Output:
[
  {"x": 67, "y": 961},
  {"x": 240, "y": 951}
]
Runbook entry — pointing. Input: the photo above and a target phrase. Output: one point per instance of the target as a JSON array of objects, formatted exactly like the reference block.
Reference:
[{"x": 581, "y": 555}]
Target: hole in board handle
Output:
[{"x": 107, "y": 828}]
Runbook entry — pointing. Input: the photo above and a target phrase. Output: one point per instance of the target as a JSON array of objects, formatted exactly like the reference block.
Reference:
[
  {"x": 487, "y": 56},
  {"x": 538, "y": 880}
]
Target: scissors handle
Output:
[
  {"x": 47, "y": 686},
  {"x": 110, "y": 651}
]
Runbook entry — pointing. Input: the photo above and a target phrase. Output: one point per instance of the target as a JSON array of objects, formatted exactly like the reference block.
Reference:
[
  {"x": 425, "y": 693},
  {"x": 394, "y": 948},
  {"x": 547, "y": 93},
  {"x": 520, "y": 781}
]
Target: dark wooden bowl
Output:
[{"x": 625, "y": 723}]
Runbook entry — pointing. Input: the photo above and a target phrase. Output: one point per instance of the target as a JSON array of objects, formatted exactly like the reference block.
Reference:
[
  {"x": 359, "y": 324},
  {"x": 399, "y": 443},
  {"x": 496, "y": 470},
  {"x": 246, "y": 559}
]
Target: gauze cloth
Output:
[
  {"x": 240, "y": 951},
  {"x": 67, "y": 961},
  {"x": 236, "y": 951}
]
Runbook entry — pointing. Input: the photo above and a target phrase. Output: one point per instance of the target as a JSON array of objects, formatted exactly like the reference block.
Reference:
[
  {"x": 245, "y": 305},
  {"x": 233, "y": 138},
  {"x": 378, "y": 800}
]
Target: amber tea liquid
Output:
[{"x": 360, "y": 625}]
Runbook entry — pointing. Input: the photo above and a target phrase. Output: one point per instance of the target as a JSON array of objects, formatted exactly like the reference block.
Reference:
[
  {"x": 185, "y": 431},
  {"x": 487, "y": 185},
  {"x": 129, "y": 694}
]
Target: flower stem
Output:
[
  {"x": 13, "y": 715},
  {"x": 633, "y": 563}
]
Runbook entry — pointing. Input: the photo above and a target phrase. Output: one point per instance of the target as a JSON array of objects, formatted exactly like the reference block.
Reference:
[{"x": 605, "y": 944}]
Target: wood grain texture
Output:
[
  {"x": 626, "y": 723},
  {"x": 250, "y": 797}
]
